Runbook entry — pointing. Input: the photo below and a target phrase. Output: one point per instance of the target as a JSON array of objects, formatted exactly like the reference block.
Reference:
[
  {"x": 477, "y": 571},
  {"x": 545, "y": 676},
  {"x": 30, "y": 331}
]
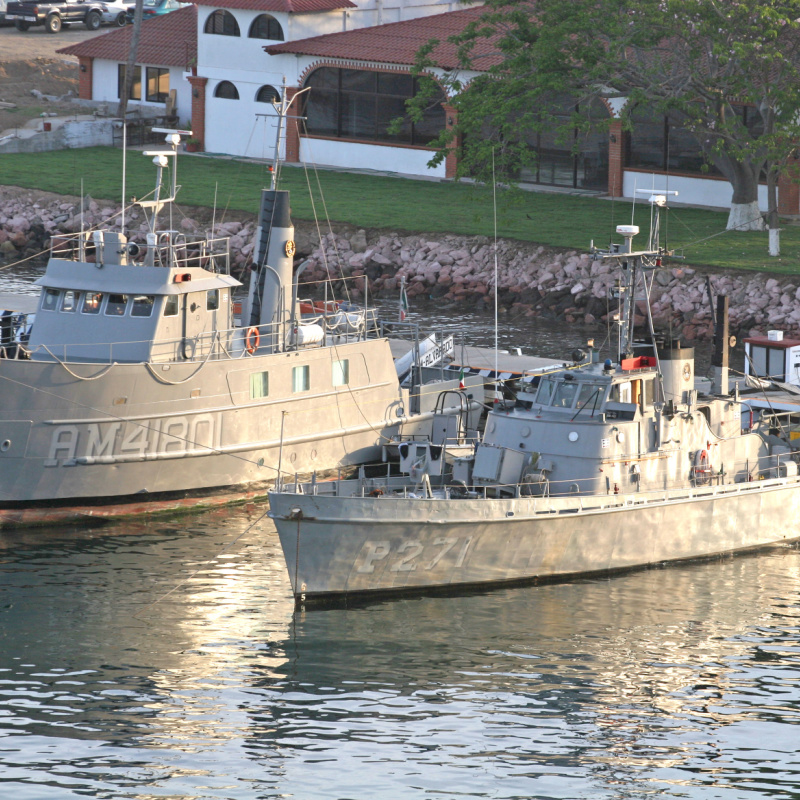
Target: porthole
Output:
[
  {"x": 573, "y": 436},
  {"x": 5, "y": 445}
]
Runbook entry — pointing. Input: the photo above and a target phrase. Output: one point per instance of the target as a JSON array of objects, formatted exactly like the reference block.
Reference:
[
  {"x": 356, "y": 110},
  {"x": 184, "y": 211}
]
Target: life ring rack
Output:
[{"x": 252, "y": 340}]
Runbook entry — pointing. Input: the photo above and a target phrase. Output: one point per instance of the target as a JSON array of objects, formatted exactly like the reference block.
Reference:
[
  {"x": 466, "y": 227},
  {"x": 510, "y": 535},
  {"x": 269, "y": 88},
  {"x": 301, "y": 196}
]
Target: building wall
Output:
[
  {"x": 105, "y": 88},
  {"x": 402, "y": 160},
  {"x": 232, "y": 127},
  {"x": 716, "y": 193}
]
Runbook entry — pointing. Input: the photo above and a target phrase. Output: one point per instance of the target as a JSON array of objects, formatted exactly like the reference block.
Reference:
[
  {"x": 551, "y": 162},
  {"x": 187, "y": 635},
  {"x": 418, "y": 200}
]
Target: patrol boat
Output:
[
  {"x": 132, "y": 388},
  {"x": 594, "y": 468}
]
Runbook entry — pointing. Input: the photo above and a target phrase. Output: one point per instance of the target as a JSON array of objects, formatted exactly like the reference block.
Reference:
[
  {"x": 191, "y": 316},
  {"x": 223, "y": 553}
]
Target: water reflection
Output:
[
  {"x": 163, "y": 659},
  {"x": 639, "y": 685}
]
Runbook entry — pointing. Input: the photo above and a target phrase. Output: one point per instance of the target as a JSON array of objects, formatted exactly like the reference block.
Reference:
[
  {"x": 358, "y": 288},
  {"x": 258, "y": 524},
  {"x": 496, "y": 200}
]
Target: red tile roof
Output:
[
  {"x": 398, "y": 42},
  {"x": 168, "y": 40},
  {"x": 290, "y": 6}
]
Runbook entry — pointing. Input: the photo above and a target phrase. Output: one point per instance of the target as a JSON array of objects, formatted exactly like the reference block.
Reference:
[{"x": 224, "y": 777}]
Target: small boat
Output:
[
  {"x": 137, "y": 384},
  {"x": 593, "y": 468}
]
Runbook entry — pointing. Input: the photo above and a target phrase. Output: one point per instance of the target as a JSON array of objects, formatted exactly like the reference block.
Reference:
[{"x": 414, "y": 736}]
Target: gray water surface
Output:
[{"x": 164, "y": 660}]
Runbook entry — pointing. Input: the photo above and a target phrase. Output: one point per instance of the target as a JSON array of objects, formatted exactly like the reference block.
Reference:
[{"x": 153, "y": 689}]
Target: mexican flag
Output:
[{"x": 403, "y": 299}]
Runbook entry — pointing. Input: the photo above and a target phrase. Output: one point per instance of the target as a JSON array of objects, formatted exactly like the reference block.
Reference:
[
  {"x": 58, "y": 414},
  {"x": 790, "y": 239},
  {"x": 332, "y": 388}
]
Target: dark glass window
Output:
[
  {"x": 157, "y": 84},
  {"x": 361, "y": 104},
  {"x": 222, "y": 23},
  {"x": 227, "y": 90},
  {"x": 92, "y": 302},
  {"x": 567, "y": 156},
  {"x": 142, "y": 305},
  {"x": 50, "y": 299},
  {"x": 71, "y": 300},
  {"x": 171, "y": 306},
  {"x": 266, "y": 27},
  {"x": 212, "y": 299},
  {"x": 116, "y": 305},
  {"x": 267, "y": 94},
  {"x": 662, "y": 143},
  {"x": 136, "y": 86}
]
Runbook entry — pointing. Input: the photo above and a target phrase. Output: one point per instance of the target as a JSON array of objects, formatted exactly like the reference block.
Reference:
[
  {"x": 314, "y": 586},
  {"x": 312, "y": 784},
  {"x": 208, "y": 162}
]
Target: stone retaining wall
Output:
[{"x": 532, "y": 280}]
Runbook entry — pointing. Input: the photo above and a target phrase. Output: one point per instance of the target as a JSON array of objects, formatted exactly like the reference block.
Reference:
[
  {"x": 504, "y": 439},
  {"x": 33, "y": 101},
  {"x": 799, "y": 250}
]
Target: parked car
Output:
[
  {"x": 115, "y": 12},
  {"x": 155, "y": 8},
  {"x": 54, "y": 14}
]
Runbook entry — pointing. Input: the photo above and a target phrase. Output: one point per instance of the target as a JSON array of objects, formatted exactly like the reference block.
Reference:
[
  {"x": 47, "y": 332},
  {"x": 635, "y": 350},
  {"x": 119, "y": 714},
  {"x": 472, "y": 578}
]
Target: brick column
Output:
[
  {"x": 292, "y": 155},
  {"x": 451, "y": 159},
  {"x": 199, "y": 108},
  {"x": 789, "y": 192},
  {"x": 85, "y": 76},
  {"x": 616, "y": 162}
]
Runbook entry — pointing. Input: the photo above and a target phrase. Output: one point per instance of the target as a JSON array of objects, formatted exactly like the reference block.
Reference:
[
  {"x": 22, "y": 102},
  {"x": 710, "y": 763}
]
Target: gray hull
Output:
[
  {"x": 354, "y": 545},
  {"x": 78, "y": 432}
]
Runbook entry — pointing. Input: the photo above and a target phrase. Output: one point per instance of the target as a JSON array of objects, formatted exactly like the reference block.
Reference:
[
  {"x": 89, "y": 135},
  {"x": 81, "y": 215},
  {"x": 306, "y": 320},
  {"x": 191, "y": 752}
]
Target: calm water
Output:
[{"x": 163, "y": 660}]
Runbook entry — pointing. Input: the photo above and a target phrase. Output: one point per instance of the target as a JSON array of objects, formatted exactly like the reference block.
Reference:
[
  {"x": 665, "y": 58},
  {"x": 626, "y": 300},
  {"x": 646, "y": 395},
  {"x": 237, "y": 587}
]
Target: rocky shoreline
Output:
[{"x": 533, "y": 281}]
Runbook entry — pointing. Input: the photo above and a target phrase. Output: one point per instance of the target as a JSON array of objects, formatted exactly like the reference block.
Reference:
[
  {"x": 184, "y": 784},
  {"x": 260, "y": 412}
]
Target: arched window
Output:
[
  {"x": 267, "y": 94},
  {"x": 266, "y": 27},
  {"x": 227, "y": 90},
  {"x": 361, "y": 104},
  {"x": 222, "y": 23}
]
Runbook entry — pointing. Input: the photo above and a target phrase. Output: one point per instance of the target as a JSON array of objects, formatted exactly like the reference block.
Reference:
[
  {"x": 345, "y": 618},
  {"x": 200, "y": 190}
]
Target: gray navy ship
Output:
[
  {"x": 134, "y": 388},
  {"x": 590, "y": 469}
]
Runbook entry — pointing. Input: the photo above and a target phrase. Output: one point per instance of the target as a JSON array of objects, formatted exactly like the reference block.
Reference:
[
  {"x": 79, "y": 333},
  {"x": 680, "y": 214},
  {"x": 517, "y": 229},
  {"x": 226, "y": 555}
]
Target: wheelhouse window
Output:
[
  {"x": 590, "y": 396},
  {"x": 157, "y": 84},
  {"x": 545, "y": 393},
  {"x": 361, "y": 104},
  {"x": 259, "y": 385},
  {"x": 171, "y": 306},
  {"x": 71, "y": 300},
  {"x": 565, "y": 394},
  {"x": 222, "y": 23},
  {"x": 301, "y": 379},
  {"x": 212, "y": 299},
  {"x": 136, "y": 85},
  {"x": 266, "y": 27},
  {"x": 116, "y": 305},
  {"x": 341, "y": 372},
  {"x": 267, "y": 94},
  {"x": 226, "y": 90},
  {"x": 142, "y": 305},
  {"x": 92, "y": 302},
  {"x": 50, "y": 299}
]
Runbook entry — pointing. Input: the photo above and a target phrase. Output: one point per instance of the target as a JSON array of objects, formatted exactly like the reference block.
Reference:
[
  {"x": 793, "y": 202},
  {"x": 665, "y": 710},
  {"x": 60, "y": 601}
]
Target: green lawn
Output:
[{"x": 399, "y": 204}]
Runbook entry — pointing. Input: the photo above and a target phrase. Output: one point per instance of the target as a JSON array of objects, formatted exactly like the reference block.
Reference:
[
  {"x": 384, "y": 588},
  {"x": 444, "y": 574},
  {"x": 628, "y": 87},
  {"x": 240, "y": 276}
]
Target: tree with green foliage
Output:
[{"x": 701, "y": 61}]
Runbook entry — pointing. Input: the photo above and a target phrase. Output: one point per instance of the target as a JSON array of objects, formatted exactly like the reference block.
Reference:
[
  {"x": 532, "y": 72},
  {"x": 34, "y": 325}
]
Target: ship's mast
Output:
[{"x": 635, "y": 265}]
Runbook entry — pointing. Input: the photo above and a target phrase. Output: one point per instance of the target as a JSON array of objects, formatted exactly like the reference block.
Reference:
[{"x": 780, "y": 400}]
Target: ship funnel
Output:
[
  {"x": 270, "y": 294},
  {"x": 677, "y": 370}
]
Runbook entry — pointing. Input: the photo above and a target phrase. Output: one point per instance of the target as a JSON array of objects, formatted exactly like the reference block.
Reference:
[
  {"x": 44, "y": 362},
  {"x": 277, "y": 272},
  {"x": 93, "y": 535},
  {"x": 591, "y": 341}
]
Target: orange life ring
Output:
[{"x": 252, "y": 340}]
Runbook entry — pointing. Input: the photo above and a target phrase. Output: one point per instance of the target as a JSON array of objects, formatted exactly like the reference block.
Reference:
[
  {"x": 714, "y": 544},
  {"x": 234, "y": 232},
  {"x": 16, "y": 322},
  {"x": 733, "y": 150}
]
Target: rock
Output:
[{"x": 358, "y": 241}]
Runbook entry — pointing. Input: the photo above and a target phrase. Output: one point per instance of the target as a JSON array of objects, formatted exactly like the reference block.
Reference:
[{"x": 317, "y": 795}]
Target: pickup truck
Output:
[{"x": 53, "y": 15}]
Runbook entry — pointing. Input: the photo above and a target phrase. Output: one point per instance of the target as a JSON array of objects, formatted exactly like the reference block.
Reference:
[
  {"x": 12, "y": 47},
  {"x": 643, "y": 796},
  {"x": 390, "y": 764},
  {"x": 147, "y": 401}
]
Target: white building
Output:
[{"x": 226, "y": 62}]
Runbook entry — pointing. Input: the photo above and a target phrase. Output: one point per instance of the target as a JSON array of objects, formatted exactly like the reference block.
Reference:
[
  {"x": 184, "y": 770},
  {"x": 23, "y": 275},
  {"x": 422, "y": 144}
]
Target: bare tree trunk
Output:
[{"x": 131, "y": 63}]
